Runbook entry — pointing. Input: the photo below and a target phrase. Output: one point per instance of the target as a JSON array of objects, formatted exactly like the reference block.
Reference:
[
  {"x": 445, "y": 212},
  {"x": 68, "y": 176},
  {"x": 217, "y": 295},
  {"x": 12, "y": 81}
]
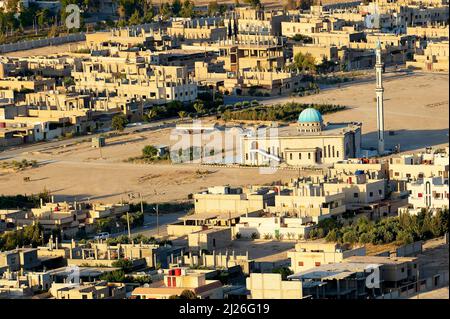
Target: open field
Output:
[
  {"x": 80, "y": 172},
  {"x": 416, "y": 108}
]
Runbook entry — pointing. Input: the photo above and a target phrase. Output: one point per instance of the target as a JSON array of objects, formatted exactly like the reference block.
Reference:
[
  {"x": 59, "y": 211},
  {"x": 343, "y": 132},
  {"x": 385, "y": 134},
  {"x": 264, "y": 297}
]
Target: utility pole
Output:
[
  {"x": 142, "y": 203},
  {"x": 128, "y": 223},
  {"x": 157, "y": 219}
]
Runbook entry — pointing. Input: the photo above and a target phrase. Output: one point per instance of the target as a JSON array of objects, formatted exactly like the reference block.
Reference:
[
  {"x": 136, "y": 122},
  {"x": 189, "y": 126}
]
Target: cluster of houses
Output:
[
  {"x": 248, "y": 51},
  {"x": 216, "y": 240}
]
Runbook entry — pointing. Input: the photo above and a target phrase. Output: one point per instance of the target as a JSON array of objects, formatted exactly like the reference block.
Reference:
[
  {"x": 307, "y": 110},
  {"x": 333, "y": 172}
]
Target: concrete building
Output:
[
  {"x": 258, "y": 21},
  {"x": 428, "y": 193},
  {"x": 433, "y": 58},
  {"x": 274, "y": 227},
  {"x": 209, "y": 239},
  {"x": 271, "y": 286},
  {"x": 308, "y": 255},
  {"x": 20, "y": 258},
  {"x": 225, "y": 199},
  {"x": 98, "y": 290},
  {"x": 204, "y": 29},
  {"x": 307, "y": 199},
  {"x": 308, "y": 143},
  {"x": 419, "y": 165},
  {"x": 178, "y": 280}
]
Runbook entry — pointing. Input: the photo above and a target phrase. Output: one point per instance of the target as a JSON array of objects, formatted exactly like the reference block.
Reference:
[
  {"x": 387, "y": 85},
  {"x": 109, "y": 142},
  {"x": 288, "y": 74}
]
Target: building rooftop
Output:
[{"x": 330, "y": 129}]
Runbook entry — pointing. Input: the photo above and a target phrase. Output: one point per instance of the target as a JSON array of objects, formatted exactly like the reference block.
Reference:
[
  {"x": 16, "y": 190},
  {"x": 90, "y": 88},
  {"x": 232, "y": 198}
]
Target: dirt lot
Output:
[
  {"x": 416, "y": 108},
  {"x": 80, "y": 172}
]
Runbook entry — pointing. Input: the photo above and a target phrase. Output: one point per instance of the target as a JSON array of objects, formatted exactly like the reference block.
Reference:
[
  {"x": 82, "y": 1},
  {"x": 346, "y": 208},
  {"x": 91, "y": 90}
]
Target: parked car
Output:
[{"x": 101, "y": 236}]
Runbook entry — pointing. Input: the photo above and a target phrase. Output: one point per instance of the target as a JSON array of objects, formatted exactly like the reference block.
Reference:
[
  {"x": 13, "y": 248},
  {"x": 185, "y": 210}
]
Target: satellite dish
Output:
[{"x": 146, "y": 285}]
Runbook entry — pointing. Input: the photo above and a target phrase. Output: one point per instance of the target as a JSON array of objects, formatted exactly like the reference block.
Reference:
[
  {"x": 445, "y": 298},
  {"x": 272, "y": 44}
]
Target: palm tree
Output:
[
  {"x": 151, "y": 114},
  {"x": 198, "y": 107},
  {"x": 182, "y": 114}
]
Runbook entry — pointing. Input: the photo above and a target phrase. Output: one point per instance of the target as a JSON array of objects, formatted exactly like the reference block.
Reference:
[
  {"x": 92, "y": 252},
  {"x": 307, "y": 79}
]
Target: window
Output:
[
  {"x": 380, "y": 192},
  {"x": 299, "y": 156},
  {"x": 371, "y": 194},
  {"x": 317, "y": 263},
  {"x": 403, "y": 269},
  {"x": 290, "y": 156},
  {"x": 300, "y": 263},
  {"x": 309, "y": 155},
  {"x": 355, "y": 195},
  {"x": 419, "y": 195}
]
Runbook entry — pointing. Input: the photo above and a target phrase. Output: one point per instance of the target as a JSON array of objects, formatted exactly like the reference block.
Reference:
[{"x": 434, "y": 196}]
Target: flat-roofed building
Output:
[
  {"x": 310, "y": 200},
  {"x": 176, "y": 281},
  {"x": 308, "y": 255},
  {"x": 202, "y": 29},
  {"x": 210, "y": 239},
  {"x": 98, "y": 290},
  {"x": 274, "y": 227},
  {"x": 225, "y": 199},
  {"x": 272, "y": 286},
  {"x": 433, "y": 58},
  {"x": 428, "y": 193},
  {"x": 318, "y": 52},
  {"x": 308, "y": 143},
  {"x": 419, "y": 165}
]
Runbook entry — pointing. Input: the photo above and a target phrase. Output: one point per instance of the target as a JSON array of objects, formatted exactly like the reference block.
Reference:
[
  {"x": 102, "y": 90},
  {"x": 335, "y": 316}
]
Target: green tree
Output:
[
  {"x": 135, "y": 18},
  {"x": 213, "y": 8},
  {"x": 188, "y": 294},
  {"x": 125, "y": 265},
  {"x": 176, "y": 7},
  {"x": 148, "y": 12},
  {"x": 199, "y": 107},
  {"x": 350, "y": 237},
  {"x": 253, "y": 3},
  {"x": 283, "y": 271},
  {"x": 165, "y": 11},
  {"x": 187, "y": 10},
  {"x": 304, "y": 62},
  {"x": 151, "y": 114},
  {"x": 149, "y": 151},
  {"x": 182, "y": 114},
  {"x": 119, "y": 122}
]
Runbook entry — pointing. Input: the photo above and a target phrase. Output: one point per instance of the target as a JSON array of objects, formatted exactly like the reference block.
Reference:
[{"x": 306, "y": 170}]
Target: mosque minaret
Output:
[{"x": 380, "y": 103}]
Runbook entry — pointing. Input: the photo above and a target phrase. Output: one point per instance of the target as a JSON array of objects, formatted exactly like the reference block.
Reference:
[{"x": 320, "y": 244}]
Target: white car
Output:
[{"x": 101, "y": 236}]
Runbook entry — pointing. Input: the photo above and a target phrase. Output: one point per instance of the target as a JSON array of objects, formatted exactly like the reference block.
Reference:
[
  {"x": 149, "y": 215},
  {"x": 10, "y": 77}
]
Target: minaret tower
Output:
[{"x": 380, "y": 103}]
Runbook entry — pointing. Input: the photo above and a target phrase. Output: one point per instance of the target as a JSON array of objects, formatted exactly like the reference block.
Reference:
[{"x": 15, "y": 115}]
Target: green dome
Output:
[{"x": 309, "y": 115}]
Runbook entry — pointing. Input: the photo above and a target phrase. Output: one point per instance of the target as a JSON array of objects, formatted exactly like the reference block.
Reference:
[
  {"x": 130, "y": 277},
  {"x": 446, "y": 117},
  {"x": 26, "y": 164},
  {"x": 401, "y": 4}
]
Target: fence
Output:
[
  {"x": 438, "y": 280},
  {"x": 39, "y": 43}
]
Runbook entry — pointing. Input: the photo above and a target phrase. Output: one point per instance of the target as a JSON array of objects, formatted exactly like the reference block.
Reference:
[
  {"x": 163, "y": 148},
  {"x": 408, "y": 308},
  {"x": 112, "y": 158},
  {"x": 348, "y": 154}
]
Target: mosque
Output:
[
  {"x": 311, "y": 141},
  {"x": 308, "y": 142}
]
